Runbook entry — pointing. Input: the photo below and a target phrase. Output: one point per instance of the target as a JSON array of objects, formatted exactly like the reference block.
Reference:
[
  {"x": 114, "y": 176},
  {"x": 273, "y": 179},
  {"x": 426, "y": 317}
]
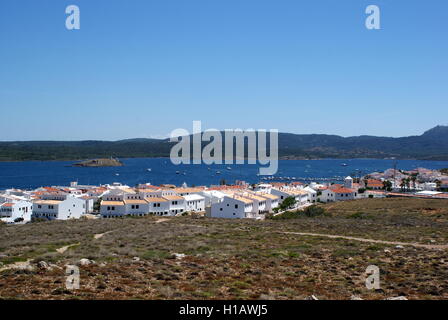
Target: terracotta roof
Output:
[
  {"x": 52, "y": 202},
  {"x": 174, "y": 197},
  {"x": 155, "y": 199},
  {"x": 7, "y": 205},
  {"x": 188, "y": 190},
  {"x": 254, "y": 197},
  {"x": 343, "y": 190},
  {"x": 135, "y": 201},
  {"x": 245, "y": 200},
  {"x": 112, "y": 203},
  {"x": 269, "y": 196}
]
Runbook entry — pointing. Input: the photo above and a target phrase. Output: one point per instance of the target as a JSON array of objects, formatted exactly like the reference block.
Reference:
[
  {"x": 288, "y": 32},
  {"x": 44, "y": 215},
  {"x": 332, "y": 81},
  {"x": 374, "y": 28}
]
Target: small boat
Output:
[
  {"x": 218, "y": 172},
  {"x": 177, "y": 172},
  {"x": 149, "y": 170},
  {"x": 117, "y": 174},
  {"x": 344, "y": 164},
  {"x": 229, "y": 168}
]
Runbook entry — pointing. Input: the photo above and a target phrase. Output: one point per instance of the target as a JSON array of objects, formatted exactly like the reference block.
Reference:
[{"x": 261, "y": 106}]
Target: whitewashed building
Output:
[
  {"x": 158, "y": 206},
  {"x": 194, "y": 203},
  {"x": 312, "y": 194},
  {"x": 233, "y": 208},
  {"x": 70, "y": 208},
  {"x": 177, "y": 204},
  {"x": 19, "y": 211}
]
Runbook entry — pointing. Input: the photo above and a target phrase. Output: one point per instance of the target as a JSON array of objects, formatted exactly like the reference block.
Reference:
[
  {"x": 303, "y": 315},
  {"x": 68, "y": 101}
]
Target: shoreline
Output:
[{"x": 280, "y": 159}]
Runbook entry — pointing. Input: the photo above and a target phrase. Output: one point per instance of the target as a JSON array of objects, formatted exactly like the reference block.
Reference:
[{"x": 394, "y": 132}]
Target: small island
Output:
[{"x": 111, "y": 162}]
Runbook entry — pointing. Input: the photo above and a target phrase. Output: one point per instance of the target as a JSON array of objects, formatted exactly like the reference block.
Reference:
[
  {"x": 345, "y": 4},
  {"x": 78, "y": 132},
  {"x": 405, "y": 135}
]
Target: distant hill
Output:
[{"x": 431, "y": 145}]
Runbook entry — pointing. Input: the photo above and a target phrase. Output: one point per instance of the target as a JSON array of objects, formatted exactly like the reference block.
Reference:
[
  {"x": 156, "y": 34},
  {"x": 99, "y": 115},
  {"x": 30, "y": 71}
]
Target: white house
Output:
[
  {"x": 158, "y": 206},
  {"x": 299, "y": 195},
  {"x": 338, "y": 194},
  {"x": 177, "y": 204},
  {"x": 212, "y": 196},
  {"x": 233, "y": 207},
  {"x": 136, "y": 207},
  {"x": 70, "y": 208},
  {"x": 263, "y": 187},
  {"x": 272, "y": 201},
  {"x": 312, "y": 194},
  {"x": 112, "y": 208},
  {"x": 89, "y": 202},
  {"x": 20, "y": 211},
  {"x": 259, "y": 208},
  {"x": 281, "y": 193},
  {"x": 194, "y": 203}
]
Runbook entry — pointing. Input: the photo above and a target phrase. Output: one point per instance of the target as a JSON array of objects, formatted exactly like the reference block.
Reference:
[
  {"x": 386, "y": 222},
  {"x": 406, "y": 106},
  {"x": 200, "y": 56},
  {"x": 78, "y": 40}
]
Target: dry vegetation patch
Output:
[{"x": 202, "y": 258}]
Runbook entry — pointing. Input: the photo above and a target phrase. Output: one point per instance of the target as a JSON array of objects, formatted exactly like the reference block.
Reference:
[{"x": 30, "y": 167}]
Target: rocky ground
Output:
[{"x": 200, "y": 258}]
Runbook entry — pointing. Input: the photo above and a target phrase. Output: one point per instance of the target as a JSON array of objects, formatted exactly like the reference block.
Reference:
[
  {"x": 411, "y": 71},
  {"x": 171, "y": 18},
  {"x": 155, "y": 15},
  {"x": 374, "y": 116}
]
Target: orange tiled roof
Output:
[{"x": 343, "y": 190}]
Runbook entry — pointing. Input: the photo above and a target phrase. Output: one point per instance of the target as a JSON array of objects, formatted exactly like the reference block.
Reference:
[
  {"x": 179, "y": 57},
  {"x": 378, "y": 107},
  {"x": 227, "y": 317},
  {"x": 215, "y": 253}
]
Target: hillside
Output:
[
  {"x": 202, "y": 258},
  {"x": 431, "y": 145}
]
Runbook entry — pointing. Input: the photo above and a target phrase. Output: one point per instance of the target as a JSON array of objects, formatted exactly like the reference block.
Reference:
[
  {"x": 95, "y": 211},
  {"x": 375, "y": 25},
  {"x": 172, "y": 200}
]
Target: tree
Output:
[
  {"x": 97, "y": 205},
  {"x": 387, "y": 185},
  {"x": 288, "y": 203},
  {"x": 439, "y": 184}
]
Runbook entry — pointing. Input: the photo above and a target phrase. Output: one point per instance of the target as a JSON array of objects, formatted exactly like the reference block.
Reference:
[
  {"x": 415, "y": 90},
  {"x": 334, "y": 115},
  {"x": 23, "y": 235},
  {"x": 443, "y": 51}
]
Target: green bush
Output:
[
  {"x": 311, "y": 211},
  {"x": 314, "y": 211},
  {"x": 288, "y": 203}
]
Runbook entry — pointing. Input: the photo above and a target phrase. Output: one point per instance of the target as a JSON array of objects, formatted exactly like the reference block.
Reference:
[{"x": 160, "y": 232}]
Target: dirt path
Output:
[
  {"x": 63, "y": 249},
  {"x": 18, "y": 265},
  {"x": 395, "y": 243},
  {"x": 100, "y": 235}
]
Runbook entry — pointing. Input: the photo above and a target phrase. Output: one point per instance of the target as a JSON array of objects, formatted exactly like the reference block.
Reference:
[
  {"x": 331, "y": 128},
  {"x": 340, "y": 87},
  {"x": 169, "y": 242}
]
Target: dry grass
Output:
[{"x": 236, "y": 259}]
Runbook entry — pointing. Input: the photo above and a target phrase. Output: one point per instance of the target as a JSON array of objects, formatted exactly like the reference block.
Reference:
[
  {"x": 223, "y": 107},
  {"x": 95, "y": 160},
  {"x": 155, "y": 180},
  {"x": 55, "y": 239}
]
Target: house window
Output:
[{"x": 236, "y": 206}]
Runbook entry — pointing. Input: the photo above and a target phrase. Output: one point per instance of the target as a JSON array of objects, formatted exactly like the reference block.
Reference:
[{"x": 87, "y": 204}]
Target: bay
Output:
[{"x": 33, "y": 174}]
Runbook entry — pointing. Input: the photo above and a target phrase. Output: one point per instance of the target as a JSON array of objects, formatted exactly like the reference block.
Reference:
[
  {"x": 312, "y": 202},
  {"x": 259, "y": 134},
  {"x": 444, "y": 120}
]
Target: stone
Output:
[
  {"x": 86, "y": 262},
  {"x": 397, "y": 298},
  {"x": 42, "y": 265}
]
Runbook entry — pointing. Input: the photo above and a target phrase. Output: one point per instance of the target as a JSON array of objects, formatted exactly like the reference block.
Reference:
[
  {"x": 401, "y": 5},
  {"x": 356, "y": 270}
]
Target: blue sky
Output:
[{"x": 142, "y": 68}]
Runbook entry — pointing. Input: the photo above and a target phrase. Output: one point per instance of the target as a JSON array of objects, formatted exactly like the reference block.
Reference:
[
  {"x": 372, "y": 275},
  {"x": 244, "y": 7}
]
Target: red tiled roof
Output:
[
  {"x": 343, "y": 190},
  {"x": 7, "y": 205}
]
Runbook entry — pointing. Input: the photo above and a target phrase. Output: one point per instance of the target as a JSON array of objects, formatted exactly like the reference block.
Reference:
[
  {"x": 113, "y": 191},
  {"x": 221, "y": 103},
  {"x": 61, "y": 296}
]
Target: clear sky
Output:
[{"x": 142, "y": 68}]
